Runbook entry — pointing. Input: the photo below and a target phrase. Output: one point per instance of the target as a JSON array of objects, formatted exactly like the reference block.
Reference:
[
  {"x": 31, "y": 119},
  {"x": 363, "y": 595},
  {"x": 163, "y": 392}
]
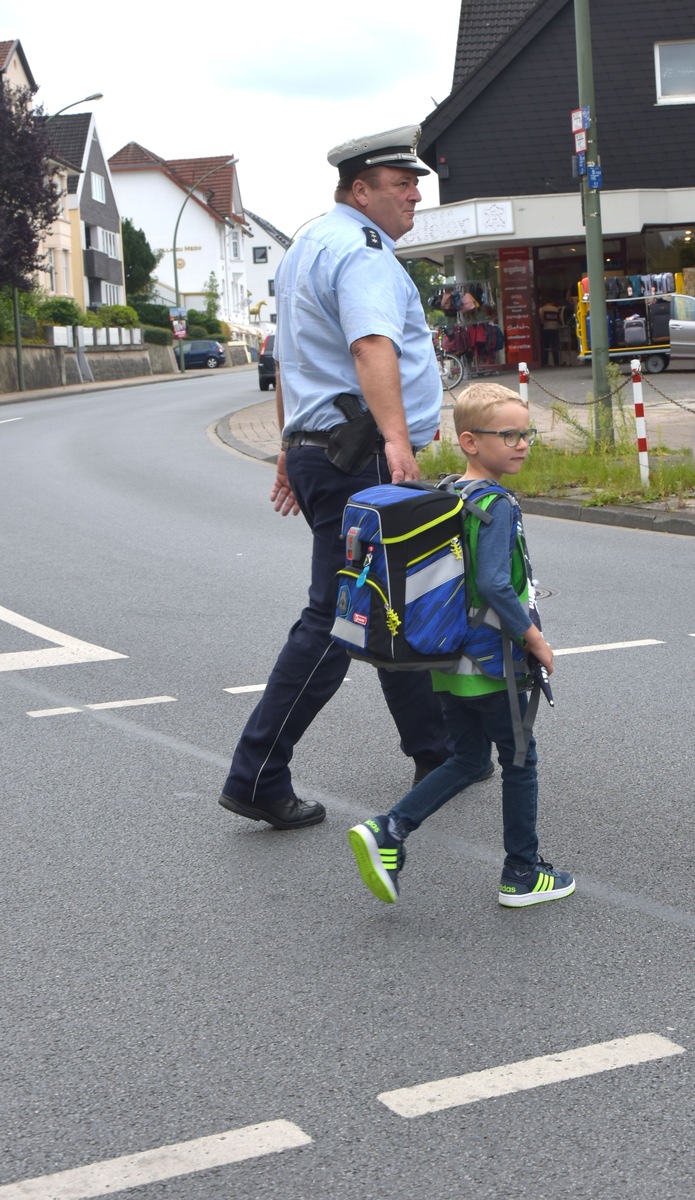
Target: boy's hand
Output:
[{"x": 536, "y": 643}]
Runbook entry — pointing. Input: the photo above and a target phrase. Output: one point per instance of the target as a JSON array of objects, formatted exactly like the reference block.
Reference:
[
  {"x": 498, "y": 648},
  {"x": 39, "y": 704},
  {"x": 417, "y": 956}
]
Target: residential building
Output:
[
  {"x": 503, "y": 146},
  {"x": 263, "y": 254},
  {"x": 97, "y": 262},
  {"x": 56, "y": 247},
  {"x": 14, "y": 68},
  {"x": 153, "y": 193}
]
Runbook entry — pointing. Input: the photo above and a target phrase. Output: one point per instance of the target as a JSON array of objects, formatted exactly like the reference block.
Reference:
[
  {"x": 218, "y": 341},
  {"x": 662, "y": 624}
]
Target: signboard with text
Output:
[{"x": 517, "y": 303}]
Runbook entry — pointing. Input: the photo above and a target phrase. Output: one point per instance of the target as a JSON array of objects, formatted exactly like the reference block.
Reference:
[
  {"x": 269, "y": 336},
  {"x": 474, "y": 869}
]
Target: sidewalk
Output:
[
  {"x": 253, "y": 431},
  {"x": 106, "y": 385}
]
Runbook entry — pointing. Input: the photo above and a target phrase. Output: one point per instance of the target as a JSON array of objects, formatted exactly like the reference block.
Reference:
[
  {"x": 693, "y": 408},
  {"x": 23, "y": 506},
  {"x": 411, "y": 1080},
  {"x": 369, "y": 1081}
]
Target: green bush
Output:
[
  {"x": 91, "y": 320},
  {"x": 120, "y": 315},
  {"x": 152, "y": 314},
  {"x": 59, "y": 310},
  {"x": 157, "y": 336},
  {"x": 196, "y": 331}
]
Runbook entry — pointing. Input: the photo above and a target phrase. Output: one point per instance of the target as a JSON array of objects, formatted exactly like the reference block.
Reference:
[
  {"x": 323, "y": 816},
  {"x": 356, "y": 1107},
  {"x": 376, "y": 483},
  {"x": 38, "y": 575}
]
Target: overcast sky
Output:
[{"x": 276, "y": 84}]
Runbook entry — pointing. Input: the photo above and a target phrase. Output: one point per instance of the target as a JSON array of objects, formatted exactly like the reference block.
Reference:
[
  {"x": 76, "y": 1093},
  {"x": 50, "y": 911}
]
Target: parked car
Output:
[
  {"x": 203, "y": 353},
  {"x": 266, "y": 363}
]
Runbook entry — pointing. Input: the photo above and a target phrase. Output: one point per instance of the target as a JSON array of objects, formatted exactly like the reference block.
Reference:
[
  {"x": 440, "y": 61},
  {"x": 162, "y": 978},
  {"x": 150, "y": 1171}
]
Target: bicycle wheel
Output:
[{"x": 450, "y": 370}]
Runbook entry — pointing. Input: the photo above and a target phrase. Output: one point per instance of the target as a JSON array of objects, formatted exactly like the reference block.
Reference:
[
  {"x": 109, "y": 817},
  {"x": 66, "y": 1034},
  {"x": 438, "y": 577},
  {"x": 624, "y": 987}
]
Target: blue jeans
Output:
[{"x": 474, "y": 723}]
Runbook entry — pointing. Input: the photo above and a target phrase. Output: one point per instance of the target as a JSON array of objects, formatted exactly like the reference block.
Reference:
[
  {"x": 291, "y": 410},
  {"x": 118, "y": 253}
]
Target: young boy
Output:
[{"x": 492, "y": 425}]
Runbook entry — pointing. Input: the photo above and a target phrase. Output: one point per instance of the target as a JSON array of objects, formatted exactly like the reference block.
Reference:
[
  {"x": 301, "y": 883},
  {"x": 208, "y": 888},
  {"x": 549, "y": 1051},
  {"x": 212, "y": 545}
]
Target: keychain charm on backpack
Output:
[{"x": 362, "y": 578}]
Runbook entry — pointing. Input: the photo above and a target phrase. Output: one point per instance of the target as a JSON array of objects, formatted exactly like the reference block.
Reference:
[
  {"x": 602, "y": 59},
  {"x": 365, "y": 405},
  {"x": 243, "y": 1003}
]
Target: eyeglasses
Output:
[{"x": 512, "y": 437}]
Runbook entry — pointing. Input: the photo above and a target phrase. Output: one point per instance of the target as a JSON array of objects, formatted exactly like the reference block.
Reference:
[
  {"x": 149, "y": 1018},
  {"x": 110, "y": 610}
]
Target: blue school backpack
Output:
[
  {"x": 407, "y": 598},
  {"x": 402, "y": 600}
]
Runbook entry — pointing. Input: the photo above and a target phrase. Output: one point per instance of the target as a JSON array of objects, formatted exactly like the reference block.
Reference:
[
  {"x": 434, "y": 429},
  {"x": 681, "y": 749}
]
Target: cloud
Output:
[{"x": 369, "y": 60}]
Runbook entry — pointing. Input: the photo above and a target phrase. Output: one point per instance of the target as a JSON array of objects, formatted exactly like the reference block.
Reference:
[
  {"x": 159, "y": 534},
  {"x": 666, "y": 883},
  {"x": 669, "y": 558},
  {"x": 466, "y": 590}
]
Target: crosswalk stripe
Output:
[
  {"x": 531, "y": 1073},
  {"x": 165, "y": 1162}
]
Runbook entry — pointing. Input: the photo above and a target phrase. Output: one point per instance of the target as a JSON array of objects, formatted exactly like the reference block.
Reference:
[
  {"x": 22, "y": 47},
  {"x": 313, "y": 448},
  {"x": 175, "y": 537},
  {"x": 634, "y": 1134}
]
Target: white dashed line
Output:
[
  {"x": 166, "y": 1162},
  {"x": 252, "y": 687},
  {"x": 609, "y": 646},
  {"x": 52, "y": 712},
  {"x": 9, "y": 420},
  {"x": 134, "y": 703},
  {"x": 57, "y": 712},
  {"x": 532, "y": 1073}
]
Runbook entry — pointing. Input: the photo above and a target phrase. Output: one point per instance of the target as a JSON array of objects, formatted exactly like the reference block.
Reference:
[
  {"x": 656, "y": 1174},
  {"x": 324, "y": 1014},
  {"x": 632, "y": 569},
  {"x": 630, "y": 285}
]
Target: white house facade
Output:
[
  {"x": 264, "y": 248},
  {"x": 153, "y": 193}
]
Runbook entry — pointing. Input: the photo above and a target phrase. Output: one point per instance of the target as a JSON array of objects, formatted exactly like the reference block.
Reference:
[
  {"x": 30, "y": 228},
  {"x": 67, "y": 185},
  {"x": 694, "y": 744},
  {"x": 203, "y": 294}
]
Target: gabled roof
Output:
[
  {"x": 68, "y": 136},
  {"x": 491, "y": 35},
  {"x": 7, "y": 50},
  {"x": 134, "y": 155},
  {"x": 282, "y": 238},
  {"x": 219, "y": 189},
  {"x": 482, "y": 26}
]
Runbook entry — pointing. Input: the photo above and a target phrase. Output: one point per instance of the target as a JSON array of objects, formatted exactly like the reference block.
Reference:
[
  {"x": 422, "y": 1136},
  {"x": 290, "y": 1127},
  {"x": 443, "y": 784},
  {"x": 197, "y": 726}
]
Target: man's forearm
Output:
[
  {"x": 376, "y": 364},
  {"x": 279, "y": 405}
]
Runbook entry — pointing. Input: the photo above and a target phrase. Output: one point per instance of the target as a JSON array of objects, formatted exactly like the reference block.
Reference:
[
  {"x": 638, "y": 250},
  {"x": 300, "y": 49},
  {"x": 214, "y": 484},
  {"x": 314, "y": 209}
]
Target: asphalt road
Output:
[{"x": 172, "y": 972}]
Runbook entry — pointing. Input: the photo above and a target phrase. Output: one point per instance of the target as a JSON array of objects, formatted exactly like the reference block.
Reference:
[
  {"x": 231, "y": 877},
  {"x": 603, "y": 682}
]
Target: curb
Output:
[
  {"x": 225, "y": 435},
  {"x": 628, "y": 518}
]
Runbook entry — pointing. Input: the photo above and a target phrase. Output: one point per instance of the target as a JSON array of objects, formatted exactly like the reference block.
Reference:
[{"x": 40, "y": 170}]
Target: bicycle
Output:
[{"x": 451, "y": 368}]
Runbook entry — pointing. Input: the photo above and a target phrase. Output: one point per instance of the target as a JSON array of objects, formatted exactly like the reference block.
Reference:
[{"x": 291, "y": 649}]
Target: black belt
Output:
[
  {"x": 308, "y": 437},
  {"x": 319, "y": 437}
]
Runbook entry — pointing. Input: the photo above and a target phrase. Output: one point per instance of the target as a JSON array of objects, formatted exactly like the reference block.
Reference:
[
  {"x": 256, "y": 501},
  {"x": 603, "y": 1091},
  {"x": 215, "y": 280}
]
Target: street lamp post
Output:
[
  {"x": 230, "y": 163},
  {"x": 15, "y": 292}
]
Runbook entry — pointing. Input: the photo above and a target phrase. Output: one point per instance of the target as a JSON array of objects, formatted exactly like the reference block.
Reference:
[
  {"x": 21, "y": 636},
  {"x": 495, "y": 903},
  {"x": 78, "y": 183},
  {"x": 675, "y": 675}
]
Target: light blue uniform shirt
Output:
[{"x": 340, "y": 281}]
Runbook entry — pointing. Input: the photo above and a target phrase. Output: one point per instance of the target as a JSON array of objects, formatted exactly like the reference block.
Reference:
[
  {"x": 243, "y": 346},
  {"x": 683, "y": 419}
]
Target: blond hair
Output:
[{"x": 477, "y": 403}]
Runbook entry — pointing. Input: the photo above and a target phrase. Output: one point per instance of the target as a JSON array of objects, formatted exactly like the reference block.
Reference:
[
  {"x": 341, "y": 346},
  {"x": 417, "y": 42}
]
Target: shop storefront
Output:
[{"x": 514, "y": 256}]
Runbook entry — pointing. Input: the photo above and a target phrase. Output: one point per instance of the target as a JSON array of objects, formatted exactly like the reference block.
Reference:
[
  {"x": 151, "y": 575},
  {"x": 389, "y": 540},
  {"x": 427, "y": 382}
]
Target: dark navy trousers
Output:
[{"x": 311, "y": 666}]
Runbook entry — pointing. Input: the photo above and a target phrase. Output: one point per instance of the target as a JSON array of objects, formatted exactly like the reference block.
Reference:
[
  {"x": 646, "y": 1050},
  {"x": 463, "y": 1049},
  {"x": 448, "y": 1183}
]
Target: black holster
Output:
[{"x": 352, "y": 443}]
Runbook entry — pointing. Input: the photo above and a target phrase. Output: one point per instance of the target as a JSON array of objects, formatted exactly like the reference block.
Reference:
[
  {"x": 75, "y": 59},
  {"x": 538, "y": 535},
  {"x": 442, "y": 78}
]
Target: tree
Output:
[
  {"x": 29, "y": 202},
  {"x": 211, "y": 291},
  {"x": 426, "y": 276},
  {"x": 139, "y": 261}
]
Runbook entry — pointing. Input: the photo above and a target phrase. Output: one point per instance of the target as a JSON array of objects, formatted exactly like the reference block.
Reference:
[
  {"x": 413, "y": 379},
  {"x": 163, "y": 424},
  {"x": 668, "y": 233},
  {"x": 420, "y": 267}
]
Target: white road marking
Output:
[
  {"x": 608, "y": 646},
  {"x": 51, "y": 712},
  {"x": 531, "y": 1073},
  {"x": 133, "y": 703},
  {"x": 166, "y": 1162},
  {"x": 252, "y": 687},
  {"x": 66, "y": 651},
  {"x": 56, "y": 712},
  {"x": 8, "y": 420}
]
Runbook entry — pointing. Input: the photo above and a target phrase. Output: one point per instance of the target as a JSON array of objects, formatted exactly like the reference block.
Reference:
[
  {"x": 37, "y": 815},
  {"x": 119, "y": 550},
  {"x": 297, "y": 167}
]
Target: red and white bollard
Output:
[
  {"x": 523, "y": 381},
  {"x": 636, "y": 368}
]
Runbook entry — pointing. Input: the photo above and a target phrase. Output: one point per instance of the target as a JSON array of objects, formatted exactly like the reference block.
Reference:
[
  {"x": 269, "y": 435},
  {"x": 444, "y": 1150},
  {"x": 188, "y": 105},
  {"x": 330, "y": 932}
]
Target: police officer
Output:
[{"x": 350, "y": 329}]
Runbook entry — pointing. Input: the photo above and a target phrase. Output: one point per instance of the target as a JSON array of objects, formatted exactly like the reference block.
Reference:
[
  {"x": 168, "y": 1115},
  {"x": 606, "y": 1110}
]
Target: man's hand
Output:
[
  {"x": 402, "y": 463},
  {"x": 281, "y": 493}
]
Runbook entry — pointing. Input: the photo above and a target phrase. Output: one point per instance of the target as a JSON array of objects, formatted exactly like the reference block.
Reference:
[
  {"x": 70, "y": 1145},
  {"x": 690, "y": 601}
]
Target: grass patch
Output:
[{"x": 596, "y": 474}]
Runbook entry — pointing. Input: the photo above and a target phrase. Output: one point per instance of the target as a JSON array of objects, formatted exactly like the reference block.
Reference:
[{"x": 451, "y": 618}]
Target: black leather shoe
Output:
[
  {"x": 423, "y": 769},
  {"x": 288, "y": 813}
]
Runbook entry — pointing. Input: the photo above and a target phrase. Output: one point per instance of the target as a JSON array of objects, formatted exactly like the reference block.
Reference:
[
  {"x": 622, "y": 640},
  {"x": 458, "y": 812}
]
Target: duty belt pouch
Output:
[{"x": 352, "y": 443}]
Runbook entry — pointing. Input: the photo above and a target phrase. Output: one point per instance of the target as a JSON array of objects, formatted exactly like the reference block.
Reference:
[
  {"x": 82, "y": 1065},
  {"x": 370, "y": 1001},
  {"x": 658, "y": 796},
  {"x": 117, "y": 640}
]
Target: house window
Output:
[
  {"x": 271, "y": 287},
  {"x": 98, "y": 188},
  {"x": 109, "y": 243},
  {"x": 675, "y": 72},
  {"x": 66, "y": 272},
  {"x": 260, "y": 254},
  {"x": 110, "y": 293},
  {"x": 51, "y": 271},
  {"x": 235, "y": 244}
]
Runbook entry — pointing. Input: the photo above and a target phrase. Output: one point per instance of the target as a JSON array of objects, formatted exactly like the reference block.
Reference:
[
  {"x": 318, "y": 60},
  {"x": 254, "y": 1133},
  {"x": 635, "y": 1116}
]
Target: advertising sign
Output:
[{"x": 517, "y": 303}]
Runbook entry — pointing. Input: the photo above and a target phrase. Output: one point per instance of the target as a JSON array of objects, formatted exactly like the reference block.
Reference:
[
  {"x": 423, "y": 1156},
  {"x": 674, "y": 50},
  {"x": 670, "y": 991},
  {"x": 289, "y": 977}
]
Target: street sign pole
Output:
[{"x": 591, "y": 197}]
